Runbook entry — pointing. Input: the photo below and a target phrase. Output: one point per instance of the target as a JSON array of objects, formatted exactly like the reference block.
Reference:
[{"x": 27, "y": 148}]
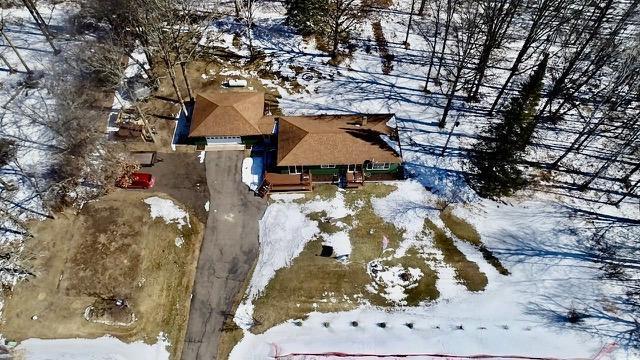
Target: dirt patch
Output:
[
  {"x": 115, "y": 312},
  {"x": 108, "y": 251},
  {"x": 466, "y": 271},
  {"x": 465, "y": 231}
]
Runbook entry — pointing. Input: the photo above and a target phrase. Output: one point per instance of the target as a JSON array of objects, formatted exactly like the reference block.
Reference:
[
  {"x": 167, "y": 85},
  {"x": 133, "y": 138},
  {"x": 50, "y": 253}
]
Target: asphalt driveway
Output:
[{"x": 228, "y": 252}]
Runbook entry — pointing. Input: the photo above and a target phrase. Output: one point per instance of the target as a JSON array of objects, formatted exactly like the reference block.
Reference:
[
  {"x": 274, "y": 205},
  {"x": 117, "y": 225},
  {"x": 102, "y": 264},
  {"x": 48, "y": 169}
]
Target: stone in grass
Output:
[{"x": 382, "y": 325}]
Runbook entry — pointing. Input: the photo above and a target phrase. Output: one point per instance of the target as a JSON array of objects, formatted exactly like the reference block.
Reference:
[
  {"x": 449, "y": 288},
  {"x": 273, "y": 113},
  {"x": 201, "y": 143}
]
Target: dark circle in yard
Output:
[
  {"x": 382, "y": 325},
  {"x": 307, "y": 76},
  {"x": 409, "y": 325},
  {"x": 354, "y": 323}
]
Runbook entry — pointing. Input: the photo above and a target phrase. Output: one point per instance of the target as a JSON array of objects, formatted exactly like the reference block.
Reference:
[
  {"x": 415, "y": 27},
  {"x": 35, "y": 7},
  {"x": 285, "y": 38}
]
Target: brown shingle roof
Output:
[
  {"x": 334, "y": 139},
  {"x": 229, "y": 113}
]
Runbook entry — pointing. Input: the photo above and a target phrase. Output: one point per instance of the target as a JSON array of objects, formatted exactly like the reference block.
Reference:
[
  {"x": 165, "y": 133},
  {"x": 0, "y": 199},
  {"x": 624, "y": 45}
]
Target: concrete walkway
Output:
[{"x": 228, "y": 252}]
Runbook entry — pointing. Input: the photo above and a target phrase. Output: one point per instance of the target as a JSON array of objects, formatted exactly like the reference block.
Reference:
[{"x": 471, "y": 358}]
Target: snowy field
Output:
[
  {"x": 516, "y": 315},
  {"x": 538, "y": 234}
]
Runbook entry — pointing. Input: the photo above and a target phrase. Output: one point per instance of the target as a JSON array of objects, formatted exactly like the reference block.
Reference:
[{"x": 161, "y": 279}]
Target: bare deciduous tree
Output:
[
  {"x": 466, "y": 30},
  {"x": 497, "y": 16},
  {"x": 545, "y": 20}
]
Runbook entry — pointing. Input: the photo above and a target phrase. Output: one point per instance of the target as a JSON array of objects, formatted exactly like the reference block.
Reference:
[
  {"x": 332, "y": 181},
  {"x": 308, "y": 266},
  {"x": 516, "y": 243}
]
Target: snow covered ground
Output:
[
  {"x": 252, "y": 170},
  {"x": 168, "y": 211},
  {"x": 517, "y": 315},
  {"x": 538, "y": 235},
  {"x": 104, "y": 348}
]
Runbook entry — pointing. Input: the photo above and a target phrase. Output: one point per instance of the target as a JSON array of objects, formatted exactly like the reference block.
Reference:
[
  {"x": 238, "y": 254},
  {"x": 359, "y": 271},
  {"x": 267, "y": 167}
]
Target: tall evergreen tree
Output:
[
  {"x": 306, "y": 15},
  {"x": 496, "y": 157}
]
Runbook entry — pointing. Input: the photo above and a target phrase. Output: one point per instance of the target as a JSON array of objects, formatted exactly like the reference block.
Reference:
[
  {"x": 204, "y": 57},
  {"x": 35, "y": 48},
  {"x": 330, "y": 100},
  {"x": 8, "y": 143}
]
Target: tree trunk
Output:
[
  {"x": 446, "y": 144},
  {"x": 625, "y": 179},
  {"x": 406, "y": 37},
  {"x": 336, "y": 37},
  {"x": 539, "y": 24},
  {"x": 183, "y": 68},
  {"x": 433, "y": 48},
  {"x": 6, "y": 38},
  {"x": 236, "y": 4},
  {"x": 11, "y": 69},
  {"x": 559, "y": 84},
  {"x": 447, "y": 26},
  {"x": 602, "y": 57},
  {"x": 38, "y": 16},
  {"x": 629, "y": 192},
  {"x": 146, "y": 123},
  {"x": 41, "y": 24},
  {"x": 610, "y": 161},
  {"x": 422, "y": 6},
  {"x": 452, "y": 93},
  {"x": 176, "y": 89}
]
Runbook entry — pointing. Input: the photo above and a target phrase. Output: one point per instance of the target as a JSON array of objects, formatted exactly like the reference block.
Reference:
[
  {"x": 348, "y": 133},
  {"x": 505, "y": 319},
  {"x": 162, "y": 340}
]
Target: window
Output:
[
  {"x": 296, "y": 169},
  {"x": 378, "y": 166},
  {"x": 329, "y": 166}
]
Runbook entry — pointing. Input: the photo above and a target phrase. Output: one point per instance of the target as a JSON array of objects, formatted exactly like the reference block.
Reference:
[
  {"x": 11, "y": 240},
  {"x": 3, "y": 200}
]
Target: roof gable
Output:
[{"x": 228, "y": 113}]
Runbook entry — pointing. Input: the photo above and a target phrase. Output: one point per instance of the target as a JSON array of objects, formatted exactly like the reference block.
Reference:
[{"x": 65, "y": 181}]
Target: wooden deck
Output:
[
  {"x": 354, "y": 179},
  {"x": 285, "y": 182}
]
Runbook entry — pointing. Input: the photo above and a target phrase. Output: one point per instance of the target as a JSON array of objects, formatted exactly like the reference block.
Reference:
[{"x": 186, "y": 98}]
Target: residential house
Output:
[{"x": 300, "y": 150}]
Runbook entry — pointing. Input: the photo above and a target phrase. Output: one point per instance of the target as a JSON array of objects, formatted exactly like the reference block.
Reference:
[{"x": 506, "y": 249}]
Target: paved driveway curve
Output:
[{"x": 228, "y": 252}]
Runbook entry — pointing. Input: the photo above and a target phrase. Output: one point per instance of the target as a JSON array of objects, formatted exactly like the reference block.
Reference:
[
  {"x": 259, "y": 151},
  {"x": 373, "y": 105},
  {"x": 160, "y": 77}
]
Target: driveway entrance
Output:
[{"x": 229, "y": 249}]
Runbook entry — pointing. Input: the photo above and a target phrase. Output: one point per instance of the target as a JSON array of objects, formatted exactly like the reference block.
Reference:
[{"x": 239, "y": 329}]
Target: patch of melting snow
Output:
[
  {"x": 206, "y": 206},
  {"x": 167, "y": 210},
  {"x": 201, "y": 156},
  {"x": 252, "y": 169},
  {"x": 284, "y": 231},
  {"x": 340, "y": 243},
  {"x": 286, "y": 197},
  {"x": 179, "y": 241},
  {"x": 334, "y": 207},
  {"x": 392, "y": 281},
  {"x": 104, "y": 348}
]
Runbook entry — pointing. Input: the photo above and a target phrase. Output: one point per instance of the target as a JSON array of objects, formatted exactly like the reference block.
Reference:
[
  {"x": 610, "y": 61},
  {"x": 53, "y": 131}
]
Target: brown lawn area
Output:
[{"x": 110, "y": 249}]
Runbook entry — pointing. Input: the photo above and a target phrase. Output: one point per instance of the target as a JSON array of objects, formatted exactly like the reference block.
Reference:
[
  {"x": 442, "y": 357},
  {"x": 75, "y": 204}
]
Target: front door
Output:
[{"x": 351, "y": 167}]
